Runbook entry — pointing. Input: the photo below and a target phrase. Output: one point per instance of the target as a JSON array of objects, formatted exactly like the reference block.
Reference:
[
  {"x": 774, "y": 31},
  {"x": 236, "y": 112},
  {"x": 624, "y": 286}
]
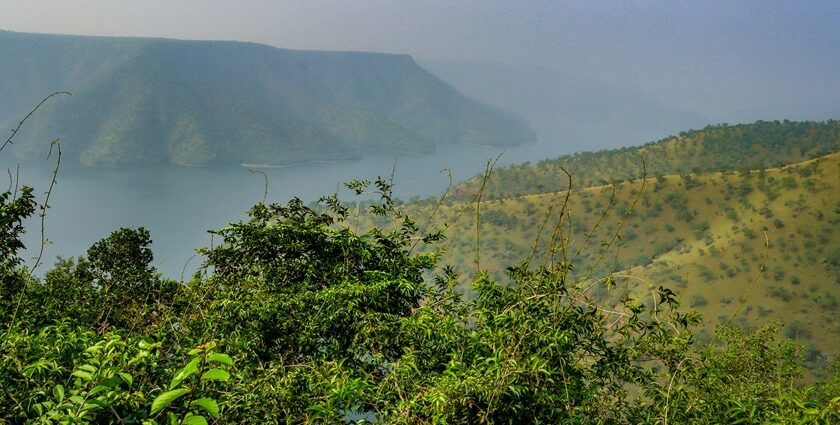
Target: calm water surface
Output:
[{"x": 179, "y": 204}]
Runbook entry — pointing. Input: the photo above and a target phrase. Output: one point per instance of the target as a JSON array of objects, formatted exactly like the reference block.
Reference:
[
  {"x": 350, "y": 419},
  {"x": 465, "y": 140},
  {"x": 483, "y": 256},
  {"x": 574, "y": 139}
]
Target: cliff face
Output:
[{"x": 199, "y": 102}]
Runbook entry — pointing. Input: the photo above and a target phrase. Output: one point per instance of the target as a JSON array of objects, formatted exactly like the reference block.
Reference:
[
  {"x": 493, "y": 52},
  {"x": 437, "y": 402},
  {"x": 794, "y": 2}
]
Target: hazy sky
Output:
[{"x": 714, "y": 56}]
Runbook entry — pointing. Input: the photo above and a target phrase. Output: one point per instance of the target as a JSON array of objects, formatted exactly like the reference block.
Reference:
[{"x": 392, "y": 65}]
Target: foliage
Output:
[
  {"x": 14, "y": 209},
  {"x": 114, "y": 287},
  {"x": 204, "y": 368},
  {"x": 65, "y": 374},
  {"x": 749, "y": 378},
  {"x": 316, "y": 291}
]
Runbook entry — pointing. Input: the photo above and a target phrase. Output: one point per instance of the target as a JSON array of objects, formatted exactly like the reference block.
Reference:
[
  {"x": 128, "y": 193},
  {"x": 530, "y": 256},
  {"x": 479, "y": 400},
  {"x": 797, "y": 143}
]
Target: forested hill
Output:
[
  {"x": 703, "y": 235},
  {"x": 199, "y": 102},
  {"x": 722, "y": 147}
]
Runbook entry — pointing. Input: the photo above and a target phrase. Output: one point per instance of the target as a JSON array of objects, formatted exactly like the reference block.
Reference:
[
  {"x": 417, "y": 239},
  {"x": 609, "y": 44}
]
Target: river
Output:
[{"x": 179, "y": 204}]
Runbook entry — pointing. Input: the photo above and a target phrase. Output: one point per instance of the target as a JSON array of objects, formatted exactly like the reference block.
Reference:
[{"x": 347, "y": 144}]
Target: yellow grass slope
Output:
[{"x": 701, "y": 235}]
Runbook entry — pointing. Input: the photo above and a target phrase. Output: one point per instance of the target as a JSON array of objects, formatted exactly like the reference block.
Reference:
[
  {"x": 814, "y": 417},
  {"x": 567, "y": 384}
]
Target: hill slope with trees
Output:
[
  {"x": 702, "y": 235},
  {"x": 723, "y": 147},
  {"x": 139, "y": 100},
  {"x": 741, "y": 236}
]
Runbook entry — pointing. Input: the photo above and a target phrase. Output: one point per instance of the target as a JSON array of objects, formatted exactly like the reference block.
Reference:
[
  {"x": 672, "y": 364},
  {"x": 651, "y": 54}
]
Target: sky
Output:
[{"x": 744, "y": 59}]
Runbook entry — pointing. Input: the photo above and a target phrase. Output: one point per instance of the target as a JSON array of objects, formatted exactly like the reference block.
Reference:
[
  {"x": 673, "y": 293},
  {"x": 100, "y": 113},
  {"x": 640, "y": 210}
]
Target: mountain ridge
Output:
[
  {"x": 758, "y": 145},
  {"x": 202, "y": 102}
]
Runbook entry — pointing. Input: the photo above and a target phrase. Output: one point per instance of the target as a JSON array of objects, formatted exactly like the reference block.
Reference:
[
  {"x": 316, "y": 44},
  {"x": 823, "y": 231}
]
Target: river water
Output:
[{"x": 179, "y": 204}]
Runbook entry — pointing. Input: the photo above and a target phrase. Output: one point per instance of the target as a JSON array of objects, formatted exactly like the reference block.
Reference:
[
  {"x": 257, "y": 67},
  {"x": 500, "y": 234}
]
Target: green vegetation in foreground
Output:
[
  {"x": 763, "y": 144},
  {"x": 141, "y": 100},
  {"x": 296, "y": 318}
]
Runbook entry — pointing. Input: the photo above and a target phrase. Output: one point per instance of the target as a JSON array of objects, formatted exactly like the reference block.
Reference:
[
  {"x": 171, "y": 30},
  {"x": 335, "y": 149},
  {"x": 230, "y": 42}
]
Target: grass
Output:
[{"x": 702, "y": 235}]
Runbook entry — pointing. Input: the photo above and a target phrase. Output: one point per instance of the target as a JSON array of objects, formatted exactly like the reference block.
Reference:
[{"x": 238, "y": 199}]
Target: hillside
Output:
[
  {"x": 699, "y": 234},
  {"x": 199, "y": 102},
  {"x": 715, "y": 148}
]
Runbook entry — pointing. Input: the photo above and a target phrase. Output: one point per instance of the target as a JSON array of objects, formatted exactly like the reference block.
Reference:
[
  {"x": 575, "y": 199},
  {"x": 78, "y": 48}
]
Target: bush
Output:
[{"x": 699, "y": 301}]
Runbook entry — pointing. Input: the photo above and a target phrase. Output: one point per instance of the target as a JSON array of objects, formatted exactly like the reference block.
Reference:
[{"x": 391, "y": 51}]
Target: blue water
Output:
[{"x": 179, "y": 204}]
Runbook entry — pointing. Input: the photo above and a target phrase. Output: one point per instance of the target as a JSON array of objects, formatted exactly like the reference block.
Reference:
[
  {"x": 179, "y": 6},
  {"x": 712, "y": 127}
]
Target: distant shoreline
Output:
[
  {"x": 479, "y": 146},
  {"x": 292, "y": 164}
]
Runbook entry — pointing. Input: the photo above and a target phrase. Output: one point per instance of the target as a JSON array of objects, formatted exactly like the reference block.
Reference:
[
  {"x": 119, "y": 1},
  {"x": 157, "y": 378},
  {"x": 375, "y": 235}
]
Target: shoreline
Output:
[{"x": 292, "y": 164}]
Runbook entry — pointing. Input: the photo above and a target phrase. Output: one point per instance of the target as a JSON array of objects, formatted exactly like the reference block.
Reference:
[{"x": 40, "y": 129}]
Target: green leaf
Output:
[
  {"x": 94, "y": 405},
  {"x": 220, "y": 358},
  {"x": 111, "y": 382},
  {"x": 87, "y": 368},
  {"x": 140, "y": 356},
  {"x": 127, "y": 378},
  {"x": 215, "y": 375},
  {"x": 207, "y": 404},
  {"x": 98, "y": 389},
  {"x": 83, "y": 375},
  {"x": 58, "y": 393},
  {"x": 186, "y": 372},
  {"x": 160, "y": 402},
  {"x": 195, "y": 420}
]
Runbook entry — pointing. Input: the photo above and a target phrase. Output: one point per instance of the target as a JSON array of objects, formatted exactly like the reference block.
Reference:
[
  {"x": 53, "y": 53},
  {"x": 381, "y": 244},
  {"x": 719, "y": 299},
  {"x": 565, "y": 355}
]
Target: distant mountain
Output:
[
  {"x": 140, "y": 100},
  {"x": 569, "y": 111}
]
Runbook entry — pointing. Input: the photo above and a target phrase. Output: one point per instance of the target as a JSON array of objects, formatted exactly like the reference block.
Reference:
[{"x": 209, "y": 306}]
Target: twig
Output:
[
  {"x": 491, "y": 163},
  {"x": 43, "y": 215},
  {"x": 265, "y": 188},
  {"x": 595, "y": 227},
  {"x": 761, "y": 268},
  {"x": 670, "y": 386},
  {"x": 621, "y": 223},
  {"x": 46, "y": 204},
  {"x": 20, "y": 124},
  {"x": 184, "y": 269},
  {"x": 557, "y": 227},
  {"x": 435, "y": 209},
  {"x": 530, "y": 256}
]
